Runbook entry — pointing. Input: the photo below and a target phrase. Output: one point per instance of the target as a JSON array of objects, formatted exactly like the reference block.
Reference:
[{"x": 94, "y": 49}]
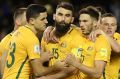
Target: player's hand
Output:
[
  {"x": 53, "y": 37},
  {"x": 70, "y": 70},
  {"x": 46, "y": 56},
  {"x": 60, "y": 64},
  {"x": 95, "y": 34},
  {"x": 71, "y": 59},
  {"x": 46, "y": 34}
]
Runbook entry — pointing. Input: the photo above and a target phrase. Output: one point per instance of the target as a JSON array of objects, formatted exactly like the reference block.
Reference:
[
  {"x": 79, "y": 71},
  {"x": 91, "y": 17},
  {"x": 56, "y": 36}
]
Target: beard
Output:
[{"x": 61, "y": 28}]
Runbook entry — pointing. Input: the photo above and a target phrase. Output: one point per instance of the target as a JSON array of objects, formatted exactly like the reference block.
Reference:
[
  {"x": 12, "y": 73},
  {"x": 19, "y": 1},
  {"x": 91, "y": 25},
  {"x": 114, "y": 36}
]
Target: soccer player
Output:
[
  {"x": 24, "y": 55},
  {"x": 107, "y": 28},
  {"x": 19, "y": 19},
  {"x": 94, "y": 55},
  {"x": 68, "y": 36}
]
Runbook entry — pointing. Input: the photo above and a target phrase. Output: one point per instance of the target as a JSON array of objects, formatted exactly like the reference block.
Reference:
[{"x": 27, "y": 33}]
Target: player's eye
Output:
[
  {"x": 67, "y": 15},
  {"x": 113, "y": 24},
  {"x": 42, "y": 19},
  {"x": 106, "y": 24},
  {"x": 60, "y": 14}
]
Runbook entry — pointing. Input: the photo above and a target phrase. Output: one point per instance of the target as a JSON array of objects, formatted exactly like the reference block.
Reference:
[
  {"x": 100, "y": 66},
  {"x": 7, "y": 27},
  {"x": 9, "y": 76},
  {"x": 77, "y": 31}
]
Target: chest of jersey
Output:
[
  {"x": 66, "y": 43},
  {"x": 86, "y": 53}
]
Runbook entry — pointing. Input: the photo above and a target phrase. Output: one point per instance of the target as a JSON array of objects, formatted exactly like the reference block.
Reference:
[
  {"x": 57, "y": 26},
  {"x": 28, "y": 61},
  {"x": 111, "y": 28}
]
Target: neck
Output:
[
  {"x": 15, "y": 27},
  {"x": 39, "y": 35},
  {"x": 32, "y": 28}
]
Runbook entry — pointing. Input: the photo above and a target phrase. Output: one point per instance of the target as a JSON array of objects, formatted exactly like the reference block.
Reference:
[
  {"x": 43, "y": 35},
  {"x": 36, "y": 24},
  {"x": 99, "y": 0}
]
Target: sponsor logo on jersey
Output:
[
  {"x": 103, "y": 52},
  {"x": 37, "y": 49}
]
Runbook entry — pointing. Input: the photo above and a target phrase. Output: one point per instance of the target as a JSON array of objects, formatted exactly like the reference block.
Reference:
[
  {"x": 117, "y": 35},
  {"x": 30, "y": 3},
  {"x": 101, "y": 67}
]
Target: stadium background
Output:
[{"x": 7, "y": 8}]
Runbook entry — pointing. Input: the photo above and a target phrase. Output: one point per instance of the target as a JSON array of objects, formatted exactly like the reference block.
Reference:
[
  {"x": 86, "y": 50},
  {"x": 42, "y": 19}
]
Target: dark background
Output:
[{"x": 7, "y": 8}]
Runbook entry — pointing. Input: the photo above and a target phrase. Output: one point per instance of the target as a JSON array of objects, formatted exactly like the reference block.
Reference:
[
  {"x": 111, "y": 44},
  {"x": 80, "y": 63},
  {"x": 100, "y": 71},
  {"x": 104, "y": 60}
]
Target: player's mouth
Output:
[{"x": 109, "y": 32}]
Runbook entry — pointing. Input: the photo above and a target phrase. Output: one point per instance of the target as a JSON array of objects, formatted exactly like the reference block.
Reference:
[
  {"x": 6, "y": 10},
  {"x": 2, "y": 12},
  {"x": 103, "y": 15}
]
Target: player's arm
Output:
[
  {"x": 94, "y": 72},
  {"x": 65, "y": 73},
  {"x": 3, "y": 52},
  {"x": 49, "y": 35},
  {"x": 40, "y": 70},
  {"x": 62, "y": 74},
  {"x": 37, "y": 58},
  {"x": 114, "y": 44},
  {"x": 37, "y": 65},
  {"x": 102, "y": 56},
  {"x": 46, "y": 34},
  {"x": 3, "y": 62},
  {"x": 59, "y": 75}
]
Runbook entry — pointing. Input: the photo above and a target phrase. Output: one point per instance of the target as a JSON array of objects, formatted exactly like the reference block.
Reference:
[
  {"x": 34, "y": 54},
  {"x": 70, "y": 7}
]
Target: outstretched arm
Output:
[{"x": 94, "y": 72}]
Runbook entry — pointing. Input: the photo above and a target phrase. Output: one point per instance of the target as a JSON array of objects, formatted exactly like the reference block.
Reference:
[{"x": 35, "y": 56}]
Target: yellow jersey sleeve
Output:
[
  {"x": 43, "y": 43},
  {"x": 117, "y": 37},
  {"x": 114, "y": 65},
  {"x": 33, "y": 49},
  {"x": 4, "y": 43},
  {"x": 103, "y": 49},
  {"x": 32, "y": 46}
]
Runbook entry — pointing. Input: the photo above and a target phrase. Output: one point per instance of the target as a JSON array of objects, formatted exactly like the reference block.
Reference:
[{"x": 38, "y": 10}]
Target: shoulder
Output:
[
  {"x": 5, "y": 39},
  {"x": 76, "y": 29},
  {"x": 102, "y": 41},
  {"x": 24, "y": 35},
  {"x": 117, "y": 36}
]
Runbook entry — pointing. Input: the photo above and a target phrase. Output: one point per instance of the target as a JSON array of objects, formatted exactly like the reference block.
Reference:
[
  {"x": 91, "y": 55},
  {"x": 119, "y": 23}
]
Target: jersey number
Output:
[
  {"x": 13, "y": 48},
  {"x": 55, "y": 53}
]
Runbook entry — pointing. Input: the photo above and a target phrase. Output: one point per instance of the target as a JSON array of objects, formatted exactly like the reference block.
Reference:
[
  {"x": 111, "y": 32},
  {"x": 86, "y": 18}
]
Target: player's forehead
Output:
[
  {"x": 63, "y": 11},
  {"x": 42, "y": 15},
  {"x": 109, "y": 20},
  {"x": 84, "y": 17}
]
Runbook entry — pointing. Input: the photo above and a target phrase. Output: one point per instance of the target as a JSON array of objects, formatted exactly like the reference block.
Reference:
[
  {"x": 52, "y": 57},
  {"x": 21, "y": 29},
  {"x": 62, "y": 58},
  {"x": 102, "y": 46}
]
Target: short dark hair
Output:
[
  {"x": 90, "y": 10},
  {"x": 19, "y": 12},
  {"x": 101, "y": 10},
  {"x": 34, "y": 10},
  {"x": 107, "y": 15},
  {"x": 66, "y": 5}
]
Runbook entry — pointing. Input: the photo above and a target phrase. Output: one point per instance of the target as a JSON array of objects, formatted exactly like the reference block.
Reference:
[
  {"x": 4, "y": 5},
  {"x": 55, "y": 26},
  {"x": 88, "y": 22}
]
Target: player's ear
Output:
[
  {"x": 32, "y": 21},
  {"x": 54, "y": 16},
  {"x": 95, "y": 23},
  {"x": 18, "y": 21}
]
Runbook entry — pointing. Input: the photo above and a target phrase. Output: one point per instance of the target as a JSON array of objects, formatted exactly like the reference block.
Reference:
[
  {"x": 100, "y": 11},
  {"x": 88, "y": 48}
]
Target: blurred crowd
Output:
[{"x": 7, "y": 8}]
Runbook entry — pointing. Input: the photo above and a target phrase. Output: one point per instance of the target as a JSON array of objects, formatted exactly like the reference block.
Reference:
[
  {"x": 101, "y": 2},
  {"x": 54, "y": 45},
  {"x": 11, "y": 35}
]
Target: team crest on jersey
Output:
[
  {"x": 103, "y": 52},
  {"x": 90, "y": 48},
  {"x": 37, "y": 49},
  {"x": 77, "y": 52},
  {"x": 63, "y": 45},
  {"x": 80, "y": 49}
]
